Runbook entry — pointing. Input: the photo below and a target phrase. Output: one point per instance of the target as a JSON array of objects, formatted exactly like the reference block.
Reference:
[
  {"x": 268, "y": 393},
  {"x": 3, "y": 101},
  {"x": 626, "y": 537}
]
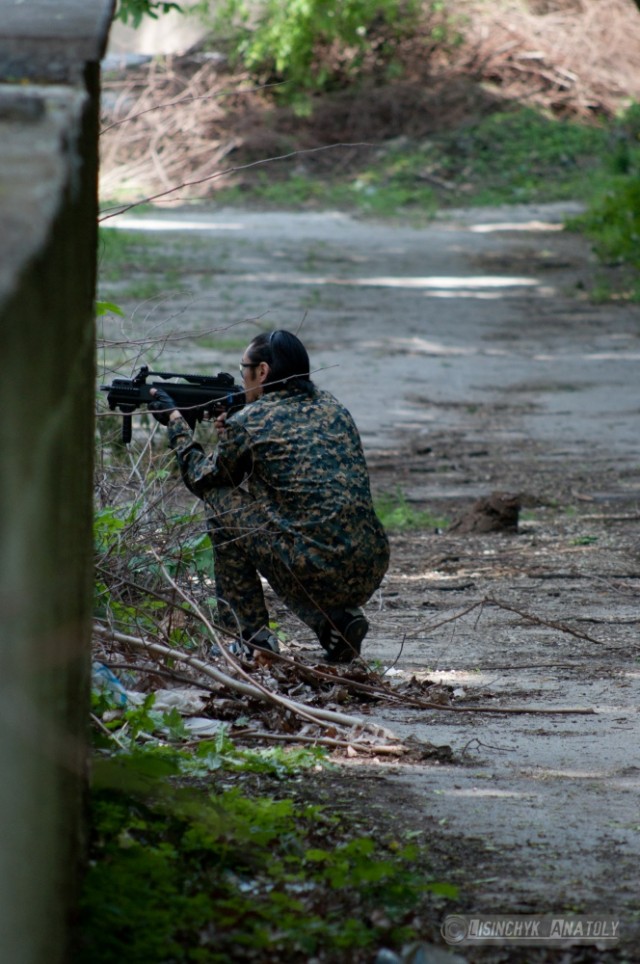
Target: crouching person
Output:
[{"x": 288, "y": 498}]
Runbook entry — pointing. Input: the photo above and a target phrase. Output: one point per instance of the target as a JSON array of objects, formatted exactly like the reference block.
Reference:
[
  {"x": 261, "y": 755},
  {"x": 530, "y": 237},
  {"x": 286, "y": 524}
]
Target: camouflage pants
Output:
[{"x": 247, "y": 545}]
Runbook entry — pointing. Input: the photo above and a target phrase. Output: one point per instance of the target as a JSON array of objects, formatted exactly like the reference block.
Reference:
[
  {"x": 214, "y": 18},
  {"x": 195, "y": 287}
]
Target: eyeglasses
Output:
[{"x": 245, "y": 364}]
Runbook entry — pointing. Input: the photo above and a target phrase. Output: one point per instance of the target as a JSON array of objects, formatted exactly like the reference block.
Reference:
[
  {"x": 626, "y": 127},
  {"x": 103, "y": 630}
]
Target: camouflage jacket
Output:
[{"x": 300, "y": 457}]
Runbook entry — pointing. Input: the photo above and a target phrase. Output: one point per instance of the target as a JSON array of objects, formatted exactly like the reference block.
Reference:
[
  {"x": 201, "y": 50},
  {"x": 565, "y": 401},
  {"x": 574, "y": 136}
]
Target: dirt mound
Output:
[
  {"x": 497, "y": 512},
  {"x": 184, "y": 122}
]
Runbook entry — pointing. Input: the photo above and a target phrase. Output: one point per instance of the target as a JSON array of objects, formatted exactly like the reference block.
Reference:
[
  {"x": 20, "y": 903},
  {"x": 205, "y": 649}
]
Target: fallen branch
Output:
[
  {"x": 254, "y": 690},
  {"x": 314, "y": 714},
  {"x": 505, "y": 710}
]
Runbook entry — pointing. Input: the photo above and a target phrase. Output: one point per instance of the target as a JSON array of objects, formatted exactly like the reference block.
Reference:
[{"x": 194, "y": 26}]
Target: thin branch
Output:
[
  {"x": 233, "y": 170},
  {"x": 538, "y": 621},
  {"x": 371, "y": 749},
  {"x": 189, "y": 100},
  {"x": 314, "y": 714},
  {"x": 113, "y": 736}
]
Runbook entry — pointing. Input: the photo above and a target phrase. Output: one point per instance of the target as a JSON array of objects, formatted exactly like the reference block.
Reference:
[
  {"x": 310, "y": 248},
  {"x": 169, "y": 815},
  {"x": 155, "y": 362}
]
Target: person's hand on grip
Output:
[
  {"x": 219, "y": 423},
  {"x": 162, "y": 405}
]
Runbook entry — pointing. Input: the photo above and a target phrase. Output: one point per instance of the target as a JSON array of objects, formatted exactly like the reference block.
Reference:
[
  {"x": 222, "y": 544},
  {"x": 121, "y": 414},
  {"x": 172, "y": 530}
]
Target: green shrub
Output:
[
  {"x": 136, "y": 10},
  {"x": 312, "y": 44},
  {"x": 613, "y": 222},
  {"x": 612, "y": 218},
  {"x": 523, "y": 155}
]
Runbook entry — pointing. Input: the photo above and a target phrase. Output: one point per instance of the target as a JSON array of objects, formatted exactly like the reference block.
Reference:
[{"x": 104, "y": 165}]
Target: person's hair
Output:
[{"x": 287, "y": 359}]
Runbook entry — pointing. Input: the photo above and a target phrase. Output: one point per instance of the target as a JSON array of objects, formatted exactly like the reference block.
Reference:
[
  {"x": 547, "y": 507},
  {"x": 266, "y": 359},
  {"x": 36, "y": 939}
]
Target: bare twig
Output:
[
  {"x": 231, "y": 170},
  {"x": 538, "y": 621},
  {"x": 112, "y": 736}
]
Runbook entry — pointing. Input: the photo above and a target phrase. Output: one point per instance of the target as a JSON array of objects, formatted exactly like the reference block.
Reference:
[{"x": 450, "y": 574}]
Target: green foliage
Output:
[
  {"x": 115, "y": 530},
  {"x": 131, "y": 722},
  {"x": 126, "y": 770},
  {"x": 395, "y": 513},
  {"x": 312, "y": 44},
  {"x": 584, "y": 541},
  {"x": 134, "y": 10},
  {"x": 110, "y": 524},
  {"x": 104, "y": 307},
  {"x": 183, "y": 873},
  {"x": 527, "y": 139},
  {"x": 381, "y": 193},
  {"x": 134, "y": 551},
  {"x": 277, "y": 761},
  {"x": 612, "y": 219}
]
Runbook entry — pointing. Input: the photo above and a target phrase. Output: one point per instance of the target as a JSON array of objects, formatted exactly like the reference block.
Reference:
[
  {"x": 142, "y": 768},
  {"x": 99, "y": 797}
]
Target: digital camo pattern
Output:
[{"x": 288, "y": 496}]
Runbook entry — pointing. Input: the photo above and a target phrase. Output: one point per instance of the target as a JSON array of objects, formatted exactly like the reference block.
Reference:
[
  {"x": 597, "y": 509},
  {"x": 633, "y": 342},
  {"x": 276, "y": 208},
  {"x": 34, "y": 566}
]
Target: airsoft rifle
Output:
[{"x": 195, "y": 397}]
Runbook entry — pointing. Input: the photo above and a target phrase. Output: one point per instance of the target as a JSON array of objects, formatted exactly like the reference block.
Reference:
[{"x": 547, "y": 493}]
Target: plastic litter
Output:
[
  {"x": 105, "y": 681},
  {"x": 185, "y": 700},
  {"x": 201, "y": 726}
]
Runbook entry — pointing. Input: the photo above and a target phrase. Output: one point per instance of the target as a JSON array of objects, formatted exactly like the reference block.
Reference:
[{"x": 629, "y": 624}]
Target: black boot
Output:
[{"x": 342, "y": 635}]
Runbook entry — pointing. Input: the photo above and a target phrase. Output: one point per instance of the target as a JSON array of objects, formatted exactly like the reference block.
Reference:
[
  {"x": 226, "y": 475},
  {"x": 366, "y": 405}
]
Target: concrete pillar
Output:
[{"x": 49, "y": 109}]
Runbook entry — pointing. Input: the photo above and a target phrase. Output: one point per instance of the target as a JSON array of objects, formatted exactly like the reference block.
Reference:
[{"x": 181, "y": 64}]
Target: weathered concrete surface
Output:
[
  {"x": 48, "y": 202},
  {"x": 52, "y": 41}
]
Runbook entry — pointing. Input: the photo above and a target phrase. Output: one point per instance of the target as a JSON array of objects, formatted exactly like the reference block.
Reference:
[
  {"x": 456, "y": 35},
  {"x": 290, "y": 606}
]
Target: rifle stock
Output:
[{"x": 195, "y": 397}]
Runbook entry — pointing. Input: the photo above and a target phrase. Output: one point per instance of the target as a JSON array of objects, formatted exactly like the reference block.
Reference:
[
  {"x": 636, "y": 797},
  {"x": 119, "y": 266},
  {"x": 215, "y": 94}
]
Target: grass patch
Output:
[
  {"x": 522, "y": 156},
  {"x": 396, "y": 514},
  {"x": 122, "y": 252},
  {"x": 374, "y": 191},
  {"x": 125, "y": 253},
  {"x": 507, "y": 157}
]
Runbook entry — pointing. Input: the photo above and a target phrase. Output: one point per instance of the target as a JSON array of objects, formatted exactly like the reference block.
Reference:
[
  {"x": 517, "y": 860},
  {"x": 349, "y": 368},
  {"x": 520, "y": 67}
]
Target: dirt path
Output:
[{"x": 473, "y": 362}]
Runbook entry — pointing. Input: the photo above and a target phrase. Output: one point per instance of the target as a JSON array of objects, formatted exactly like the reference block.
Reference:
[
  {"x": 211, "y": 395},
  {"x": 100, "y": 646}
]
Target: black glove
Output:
[{"x": 162, "y": 406}]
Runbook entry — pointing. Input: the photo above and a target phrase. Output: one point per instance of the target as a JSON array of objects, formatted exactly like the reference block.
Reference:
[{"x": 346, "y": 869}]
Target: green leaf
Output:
[{"x": 102, "y": 307}]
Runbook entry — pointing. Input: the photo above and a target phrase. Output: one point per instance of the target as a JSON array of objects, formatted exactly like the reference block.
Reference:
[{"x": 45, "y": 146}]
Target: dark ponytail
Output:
[{"x": 287, "y": 359}]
